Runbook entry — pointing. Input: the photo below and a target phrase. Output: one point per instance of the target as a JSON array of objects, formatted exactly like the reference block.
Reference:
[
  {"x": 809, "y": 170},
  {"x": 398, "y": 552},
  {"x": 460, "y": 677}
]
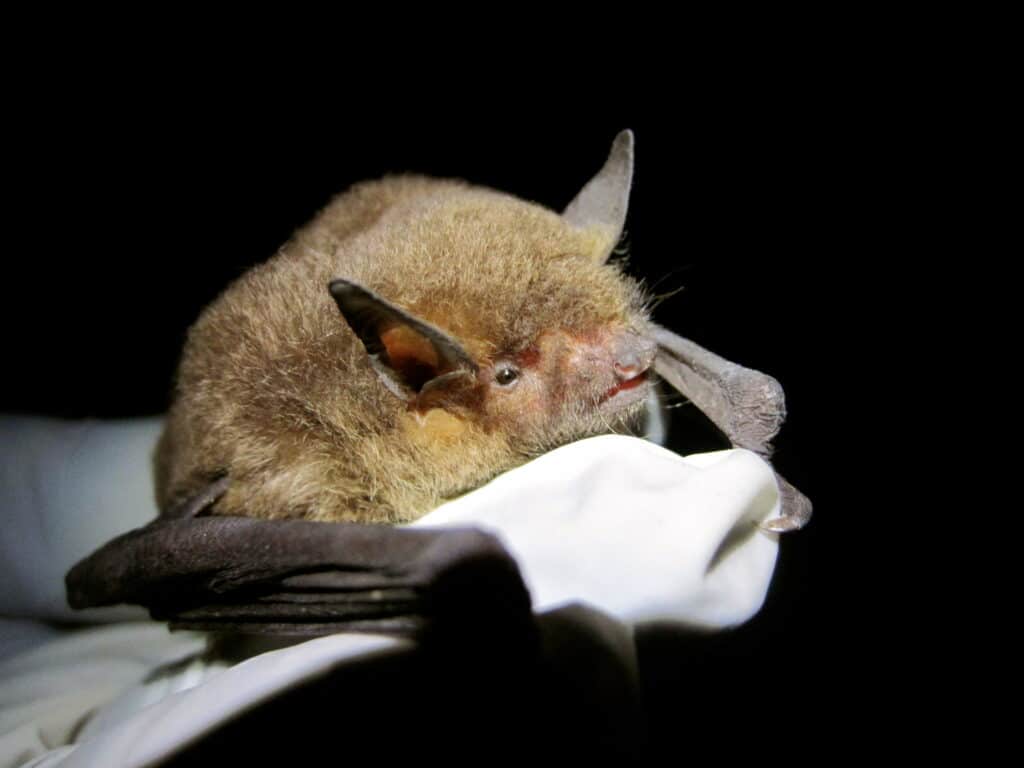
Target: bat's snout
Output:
[{"x": 632, "y": 355}]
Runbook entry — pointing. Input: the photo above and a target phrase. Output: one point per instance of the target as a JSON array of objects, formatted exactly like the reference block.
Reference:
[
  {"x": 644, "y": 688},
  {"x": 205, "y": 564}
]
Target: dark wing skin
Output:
[
  {"x": 747, "y": 405},
  {"x": 301, "y": 577}
]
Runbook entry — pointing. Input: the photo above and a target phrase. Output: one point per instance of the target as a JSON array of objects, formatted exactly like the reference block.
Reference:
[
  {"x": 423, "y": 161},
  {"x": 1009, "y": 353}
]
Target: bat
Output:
[{"x": 418, "y": 337}]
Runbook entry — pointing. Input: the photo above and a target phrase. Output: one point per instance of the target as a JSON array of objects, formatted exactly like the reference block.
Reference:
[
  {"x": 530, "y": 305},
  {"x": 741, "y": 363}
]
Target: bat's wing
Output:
[
  {"x": 747, "y": 405},
  {"x": 301, "y": 577}
]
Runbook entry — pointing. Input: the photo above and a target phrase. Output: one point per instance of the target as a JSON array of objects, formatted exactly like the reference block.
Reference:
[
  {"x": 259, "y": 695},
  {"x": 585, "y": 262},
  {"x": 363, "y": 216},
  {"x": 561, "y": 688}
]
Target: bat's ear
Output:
[
  {"x": 601, "y": 205},
  {"x": 415, "y": 360}
]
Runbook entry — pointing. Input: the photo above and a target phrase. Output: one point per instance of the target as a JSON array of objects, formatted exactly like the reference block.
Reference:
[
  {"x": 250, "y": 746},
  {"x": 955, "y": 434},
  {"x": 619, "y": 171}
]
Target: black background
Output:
[{"x": 130, "y": 212}]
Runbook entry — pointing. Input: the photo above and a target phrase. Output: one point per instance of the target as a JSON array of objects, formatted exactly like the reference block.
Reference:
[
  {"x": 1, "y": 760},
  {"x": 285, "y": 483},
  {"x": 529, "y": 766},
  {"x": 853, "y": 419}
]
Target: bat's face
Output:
[
  {"x": 567, "y": 385},
  {"x": 518, "y": 327}
]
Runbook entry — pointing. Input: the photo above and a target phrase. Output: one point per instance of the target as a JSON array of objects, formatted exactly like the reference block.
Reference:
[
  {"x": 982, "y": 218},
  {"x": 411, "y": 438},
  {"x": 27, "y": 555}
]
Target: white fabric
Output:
[
  {"x": 634, "y": 529},
  {"x": 47, "y": 692},
  {"x": 66, "y": 488},
  {"x": 621, "y": 524},
  {"x": 157, "y": 731}
]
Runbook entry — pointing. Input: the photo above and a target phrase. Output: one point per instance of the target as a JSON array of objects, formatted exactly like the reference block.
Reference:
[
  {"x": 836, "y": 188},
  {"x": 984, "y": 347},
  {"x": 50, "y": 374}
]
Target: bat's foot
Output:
[
  {"x": 198, "y": 503},
  {"x": 796, "y": 510}
]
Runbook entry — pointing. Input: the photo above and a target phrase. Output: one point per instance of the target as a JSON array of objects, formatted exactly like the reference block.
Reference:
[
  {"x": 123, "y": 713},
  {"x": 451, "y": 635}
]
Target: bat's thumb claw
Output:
[{"x": 796, "y": 510}]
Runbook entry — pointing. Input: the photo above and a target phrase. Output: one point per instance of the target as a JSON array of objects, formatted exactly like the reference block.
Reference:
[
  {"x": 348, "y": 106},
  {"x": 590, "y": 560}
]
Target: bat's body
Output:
[
  {"x": 475, "y": 331},
  {"x": 417, "y": 338}
]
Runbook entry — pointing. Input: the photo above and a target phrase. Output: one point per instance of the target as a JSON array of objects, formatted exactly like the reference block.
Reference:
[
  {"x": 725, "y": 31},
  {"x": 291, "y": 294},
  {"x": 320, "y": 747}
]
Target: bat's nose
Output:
[{"x": 632, "y": 354}]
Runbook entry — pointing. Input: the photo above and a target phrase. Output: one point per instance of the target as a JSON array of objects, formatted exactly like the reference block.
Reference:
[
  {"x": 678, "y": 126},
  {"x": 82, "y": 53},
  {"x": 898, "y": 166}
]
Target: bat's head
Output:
[
  {"x": 475, "y": 330},
  {"x": 493, "y": 315}
]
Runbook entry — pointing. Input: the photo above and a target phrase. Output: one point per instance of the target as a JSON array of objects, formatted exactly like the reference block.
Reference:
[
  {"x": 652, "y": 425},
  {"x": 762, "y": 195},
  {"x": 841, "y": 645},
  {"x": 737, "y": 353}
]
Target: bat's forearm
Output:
[{"x": 747, "y": 405}]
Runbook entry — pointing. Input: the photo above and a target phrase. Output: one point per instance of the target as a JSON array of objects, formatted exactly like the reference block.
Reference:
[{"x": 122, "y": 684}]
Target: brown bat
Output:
[{"x": 417, "y": 338}]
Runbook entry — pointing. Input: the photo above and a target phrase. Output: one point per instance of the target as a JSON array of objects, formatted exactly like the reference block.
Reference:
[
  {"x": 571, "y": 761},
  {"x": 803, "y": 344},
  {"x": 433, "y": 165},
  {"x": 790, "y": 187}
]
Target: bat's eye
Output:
[{"x": 506, "y": 375}]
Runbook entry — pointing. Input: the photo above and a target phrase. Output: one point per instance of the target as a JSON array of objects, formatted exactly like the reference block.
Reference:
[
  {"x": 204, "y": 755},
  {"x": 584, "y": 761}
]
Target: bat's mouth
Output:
[{"x": 625, "y": 392}]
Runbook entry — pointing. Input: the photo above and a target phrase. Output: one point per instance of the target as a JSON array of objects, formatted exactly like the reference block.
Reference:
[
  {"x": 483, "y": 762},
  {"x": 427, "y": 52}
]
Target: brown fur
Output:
[{"x": 276, "y": 390}]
